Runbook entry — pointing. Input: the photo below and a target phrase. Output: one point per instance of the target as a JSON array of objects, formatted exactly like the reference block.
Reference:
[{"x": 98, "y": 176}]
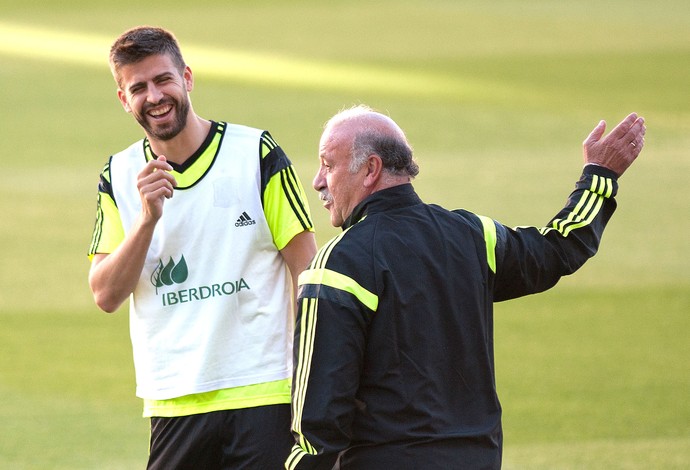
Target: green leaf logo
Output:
[
  {"x": 170, "y": 273},
  {"x": 179, "y": 272},
  {"x": 156, "y": 276}
]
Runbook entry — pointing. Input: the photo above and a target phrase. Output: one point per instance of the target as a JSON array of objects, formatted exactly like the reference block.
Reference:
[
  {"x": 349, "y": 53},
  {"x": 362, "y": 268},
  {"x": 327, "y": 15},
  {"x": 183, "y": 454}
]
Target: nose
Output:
[
  {"x": 154, "y": 94},
  {"x": 319, "y": 181}
]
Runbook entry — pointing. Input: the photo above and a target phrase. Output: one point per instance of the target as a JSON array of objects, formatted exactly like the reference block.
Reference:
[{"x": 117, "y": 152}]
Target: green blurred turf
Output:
[{"x": 593, "y": 374}]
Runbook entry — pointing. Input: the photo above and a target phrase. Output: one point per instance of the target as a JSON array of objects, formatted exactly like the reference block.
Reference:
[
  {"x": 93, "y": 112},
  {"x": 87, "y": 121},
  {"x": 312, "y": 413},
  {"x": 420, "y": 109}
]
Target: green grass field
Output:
[{"x": 496, "y": 97}]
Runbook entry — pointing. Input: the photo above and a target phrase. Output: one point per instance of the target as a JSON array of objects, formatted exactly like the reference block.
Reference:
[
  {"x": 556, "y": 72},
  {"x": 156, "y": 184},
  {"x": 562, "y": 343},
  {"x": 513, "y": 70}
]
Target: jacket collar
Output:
[{"x": 384, "y": 200}]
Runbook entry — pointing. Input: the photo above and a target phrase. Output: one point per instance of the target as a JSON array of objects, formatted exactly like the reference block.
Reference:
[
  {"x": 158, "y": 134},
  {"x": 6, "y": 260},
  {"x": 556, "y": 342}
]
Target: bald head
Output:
[
  {"x": 368, "y": 132},
  {"x": 361, "y": 152}
]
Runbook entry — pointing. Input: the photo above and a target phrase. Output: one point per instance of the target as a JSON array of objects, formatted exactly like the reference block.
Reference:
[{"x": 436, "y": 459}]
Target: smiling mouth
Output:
[{"x": 160, "y": 111}]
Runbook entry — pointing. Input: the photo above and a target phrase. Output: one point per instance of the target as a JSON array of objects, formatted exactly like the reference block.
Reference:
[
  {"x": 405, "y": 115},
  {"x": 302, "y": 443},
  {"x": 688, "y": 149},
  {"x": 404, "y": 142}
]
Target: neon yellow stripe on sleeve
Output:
[
  {"x": 339, "y": 281},
  {"x": 108, "y": 232},
  {"x": 489, "y": 240},
  {"x": 307, "y": 328},
  {"x": 286, "y": 208}
]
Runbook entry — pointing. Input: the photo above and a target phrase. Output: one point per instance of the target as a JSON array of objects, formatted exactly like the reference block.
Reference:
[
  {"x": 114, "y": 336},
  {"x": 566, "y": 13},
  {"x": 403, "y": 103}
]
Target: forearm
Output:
[
  {"x": 328, "y": 364},
  {"x": 113, "y": 277},
  {"x": 531, "y": 260}
]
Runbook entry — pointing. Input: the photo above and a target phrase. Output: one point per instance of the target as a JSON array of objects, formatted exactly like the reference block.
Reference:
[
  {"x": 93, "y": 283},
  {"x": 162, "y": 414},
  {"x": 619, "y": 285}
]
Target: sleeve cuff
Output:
[{"x": 593, "y": 169}]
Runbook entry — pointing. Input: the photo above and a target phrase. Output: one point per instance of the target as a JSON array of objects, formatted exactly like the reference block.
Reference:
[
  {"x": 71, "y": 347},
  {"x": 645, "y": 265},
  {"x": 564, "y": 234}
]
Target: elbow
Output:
[
  {"x": 105, "y": 297},
  {"x": 108, "y": 308},
  {"x": 105, "y": 300},
  {"x": 106, "y": 304}
]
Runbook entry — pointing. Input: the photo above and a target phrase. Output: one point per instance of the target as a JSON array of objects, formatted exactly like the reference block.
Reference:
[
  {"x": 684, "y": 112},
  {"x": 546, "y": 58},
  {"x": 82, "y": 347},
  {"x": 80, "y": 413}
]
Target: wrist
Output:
[{"x": 597, "y": 169}]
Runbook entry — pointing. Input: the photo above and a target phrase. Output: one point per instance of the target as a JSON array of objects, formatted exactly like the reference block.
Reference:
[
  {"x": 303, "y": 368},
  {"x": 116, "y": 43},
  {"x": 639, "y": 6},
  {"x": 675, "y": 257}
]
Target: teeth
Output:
[{"x": 159, "y": 112}]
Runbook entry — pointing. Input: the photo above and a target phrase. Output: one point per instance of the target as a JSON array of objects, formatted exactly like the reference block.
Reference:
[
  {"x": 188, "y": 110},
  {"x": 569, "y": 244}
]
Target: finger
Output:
[
  {"x": 153, "y": 182},
  {"x": 635, "y": 134},
  {"x": 640, "y": 124},
  {"x": 623, "y": 127},
  {"x": 164, "y": 191},
  {"x": 156, "y": 176},
  {"x": 596, "y": 133},
  {"x": 160, "y": 164},
  {"x": 155, "y": 189},
  {"x": 152, "y": 197},
  {"x": 151, "y": 170}
]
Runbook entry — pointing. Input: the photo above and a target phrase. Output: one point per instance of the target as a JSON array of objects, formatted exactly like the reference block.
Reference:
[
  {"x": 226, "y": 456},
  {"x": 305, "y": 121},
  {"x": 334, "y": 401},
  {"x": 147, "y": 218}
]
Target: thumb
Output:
[{"x": 596, "y": 133}]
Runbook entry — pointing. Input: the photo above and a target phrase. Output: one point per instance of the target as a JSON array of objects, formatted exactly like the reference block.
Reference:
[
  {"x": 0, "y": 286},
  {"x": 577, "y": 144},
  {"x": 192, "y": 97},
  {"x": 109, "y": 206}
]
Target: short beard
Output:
[{"x": 181, "y": 108}]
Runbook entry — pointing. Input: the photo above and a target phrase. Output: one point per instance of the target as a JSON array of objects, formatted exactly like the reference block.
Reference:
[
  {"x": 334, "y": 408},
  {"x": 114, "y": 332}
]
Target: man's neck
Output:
[{"x": 185, "y": 144}]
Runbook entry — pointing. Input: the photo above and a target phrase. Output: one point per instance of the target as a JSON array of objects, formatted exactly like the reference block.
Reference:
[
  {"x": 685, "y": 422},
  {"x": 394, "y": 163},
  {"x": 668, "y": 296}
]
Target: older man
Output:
[{"x": 394, "y": 360}]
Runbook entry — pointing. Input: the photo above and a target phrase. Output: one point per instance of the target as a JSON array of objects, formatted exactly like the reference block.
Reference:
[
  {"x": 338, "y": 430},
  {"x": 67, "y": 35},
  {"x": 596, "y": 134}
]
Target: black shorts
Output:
[{"x": 247, "y": 439}]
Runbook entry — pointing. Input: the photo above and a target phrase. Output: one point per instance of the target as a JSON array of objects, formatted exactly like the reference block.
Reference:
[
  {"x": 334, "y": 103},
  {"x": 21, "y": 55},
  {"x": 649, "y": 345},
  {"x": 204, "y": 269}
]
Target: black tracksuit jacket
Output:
[{"x": 394, "y": 357}]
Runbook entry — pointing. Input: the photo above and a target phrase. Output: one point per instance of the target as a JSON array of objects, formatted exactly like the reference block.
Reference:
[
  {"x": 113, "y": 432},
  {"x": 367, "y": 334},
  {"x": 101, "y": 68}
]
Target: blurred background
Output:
[{"x": 496, "y": 99}]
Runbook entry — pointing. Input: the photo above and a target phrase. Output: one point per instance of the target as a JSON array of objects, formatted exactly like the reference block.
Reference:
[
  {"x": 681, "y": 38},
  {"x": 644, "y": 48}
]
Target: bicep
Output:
[{"x": 299, "y": 252}]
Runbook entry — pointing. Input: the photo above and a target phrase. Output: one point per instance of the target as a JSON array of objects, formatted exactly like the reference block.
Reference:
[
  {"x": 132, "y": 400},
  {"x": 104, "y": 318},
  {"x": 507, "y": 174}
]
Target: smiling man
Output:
[{"x": 210, "y": 272}]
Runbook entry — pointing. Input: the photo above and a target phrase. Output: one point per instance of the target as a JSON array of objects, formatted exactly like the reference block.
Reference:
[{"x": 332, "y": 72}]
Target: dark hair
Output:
[
  {"x": 141, "y": 42},
  {"x": 395, "y": 152}
]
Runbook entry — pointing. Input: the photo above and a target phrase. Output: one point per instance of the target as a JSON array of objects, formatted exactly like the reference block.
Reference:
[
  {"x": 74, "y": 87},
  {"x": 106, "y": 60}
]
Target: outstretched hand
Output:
[{"x": 619, "y": 149}]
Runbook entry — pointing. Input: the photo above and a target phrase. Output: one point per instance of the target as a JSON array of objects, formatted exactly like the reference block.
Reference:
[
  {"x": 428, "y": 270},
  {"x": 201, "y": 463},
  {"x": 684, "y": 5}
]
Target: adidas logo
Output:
[{"x": 244, "y": 220}]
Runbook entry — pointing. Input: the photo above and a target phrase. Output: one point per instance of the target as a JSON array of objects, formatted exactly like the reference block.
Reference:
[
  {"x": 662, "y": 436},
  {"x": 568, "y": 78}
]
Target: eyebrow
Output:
[{"x": 136, "y": 85}]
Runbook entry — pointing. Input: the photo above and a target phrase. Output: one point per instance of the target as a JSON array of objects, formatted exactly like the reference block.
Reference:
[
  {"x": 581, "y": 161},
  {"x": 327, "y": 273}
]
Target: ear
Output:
[
  {"x": 122, "y": 96},
  {"x": 374, "y": 167},
  {"x": 188, "y": 78}
]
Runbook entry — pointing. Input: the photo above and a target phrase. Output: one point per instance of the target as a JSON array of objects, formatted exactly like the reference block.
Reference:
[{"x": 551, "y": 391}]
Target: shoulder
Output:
[
  {"x": 351, "y": 248},
  {"x": 241, "y": 130},
  {"x": 134, "y": 150},
  {"x": 131, "y": 158},
  {"x": 468, "y": 217},
  {"x": 267, "y": 144}
]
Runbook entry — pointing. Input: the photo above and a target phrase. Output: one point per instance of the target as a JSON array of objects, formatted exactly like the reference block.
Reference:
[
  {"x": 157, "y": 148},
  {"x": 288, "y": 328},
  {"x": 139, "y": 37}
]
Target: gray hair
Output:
[{"x": 395, "y": 153}]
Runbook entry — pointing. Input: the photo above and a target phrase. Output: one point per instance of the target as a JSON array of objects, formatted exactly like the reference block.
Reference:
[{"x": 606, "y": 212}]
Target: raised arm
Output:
[
  {"x": 530, "y": 259},
  {"x": 113, "y": 276}
]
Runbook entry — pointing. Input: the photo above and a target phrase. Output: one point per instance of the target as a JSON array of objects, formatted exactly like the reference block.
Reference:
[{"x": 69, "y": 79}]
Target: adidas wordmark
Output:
[{"x": 244, "y": 220}]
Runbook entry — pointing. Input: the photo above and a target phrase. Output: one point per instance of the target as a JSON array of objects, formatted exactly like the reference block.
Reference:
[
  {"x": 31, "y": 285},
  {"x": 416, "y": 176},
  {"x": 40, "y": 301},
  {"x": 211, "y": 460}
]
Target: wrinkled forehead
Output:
[{"x": 336, "y": 139}]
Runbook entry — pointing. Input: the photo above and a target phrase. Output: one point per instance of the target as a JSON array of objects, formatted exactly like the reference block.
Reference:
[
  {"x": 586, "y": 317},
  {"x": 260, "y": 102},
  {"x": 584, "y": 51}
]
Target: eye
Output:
[{"x": 165, "y": 78}]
